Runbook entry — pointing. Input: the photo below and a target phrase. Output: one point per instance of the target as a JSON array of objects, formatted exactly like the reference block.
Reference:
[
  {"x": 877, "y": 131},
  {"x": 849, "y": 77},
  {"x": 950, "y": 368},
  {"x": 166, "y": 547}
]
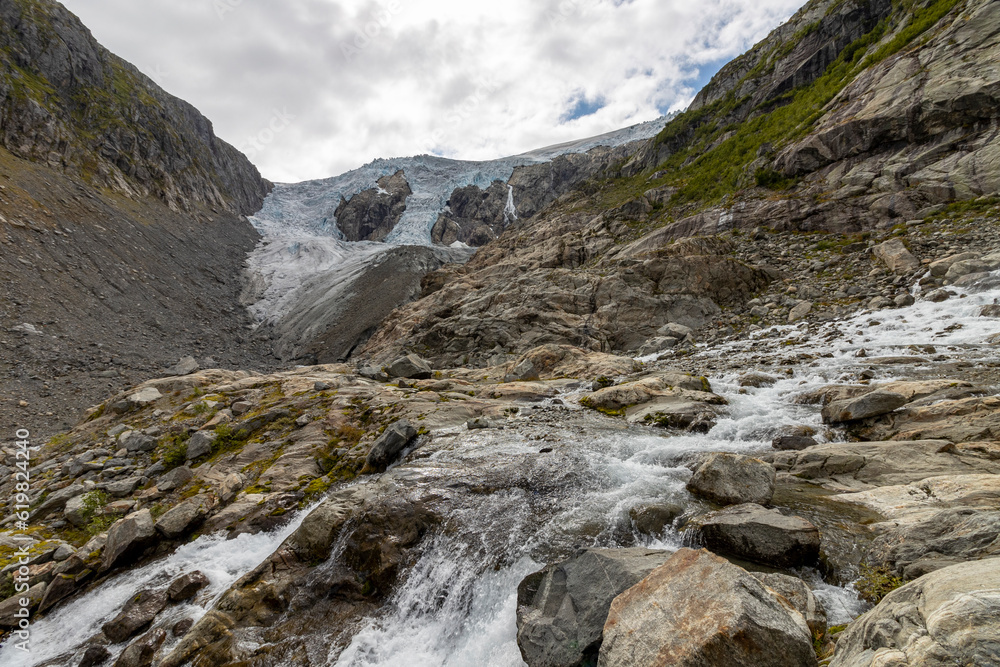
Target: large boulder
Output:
[
  {"x": 800, "y": 596},
  {"x": 700, "y": 610},
  {"x": 896, "y": 257},
  {"x": 11, "y": 607},
  {"x": 410, "y": 367},
  {"x": 874, "y": 404},
  {"x": 948, "y": 617},
  {"x": 184, "y": 517},
  {"x": 174, "y": 479},
  {"x": 389, "y": 446},
  {"x": 757, "y": 534},
  {"x": 140, "y": 653},
  {"x": 128, "y": 538},
  {"x": 561, "y": 609},
  {"x": 186, "y": 586},
  {"x": 733, "y": 479},
  {"x": 139, "y": 612}
]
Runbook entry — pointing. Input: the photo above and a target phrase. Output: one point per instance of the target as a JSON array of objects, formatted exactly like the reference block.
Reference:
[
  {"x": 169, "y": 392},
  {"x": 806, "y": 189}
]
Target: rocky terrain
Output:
[{"x": 728, "y": 397}]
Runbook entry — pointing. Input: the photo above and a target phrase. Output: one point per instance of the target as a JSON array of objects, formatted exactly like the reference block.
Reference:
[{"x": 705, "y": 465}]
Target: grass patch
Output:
[{"x": 875, "y": 583}]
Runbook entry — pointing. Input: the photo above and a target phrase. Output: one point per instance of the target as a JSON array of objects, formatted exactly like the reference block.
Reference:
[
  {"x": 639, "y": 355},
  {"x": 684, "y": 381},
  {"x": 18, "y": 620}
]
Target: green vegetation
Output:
[
  {"x": 93, "y": 512},
  {"x": 174, "y": 450},
  {"x": 875, "y": 583},
  {"x": 228, "y": 440}
]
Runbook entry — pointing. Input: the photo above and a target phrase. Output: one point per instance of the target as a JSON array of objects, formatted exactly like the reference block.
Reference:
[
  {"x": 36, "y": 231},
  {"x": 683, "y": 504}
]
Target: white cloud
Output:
[{"x": 363, "y": 79}]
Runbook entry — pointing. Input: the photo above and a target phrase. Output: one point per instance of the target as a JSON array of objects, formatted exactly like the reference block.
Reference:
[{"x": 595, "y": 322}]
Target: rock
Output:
[
  {"x": 184, "y": 517},
  {"x": 125, "y": 487},
  {"x": 874, "y": 404},
  {"x": 699, "y": 610},
  {"x": 139, "y": 612},
  {"x": 138, "y": 400},
  {"x": 127, "y": 538},
  {"x": 479, "y": 423},
  {"x": 793, "y": 442},
  {"x": 561, "y": 610},
  {"x": 141, "y": 652},
  {"x": 940, "y": 268},
  {"x": 57, "y": 500},
  {"x": 186, "y": 366},
  {"x": 76, "y": 513},
  {"x": 389, "y": 446},
  {"x": 879, "y": 303},
  {"x": 799, "y": 311},
  {"x": 800, "y": 596},
  {"x": 186, "y": 586},
  {"x": 964, "y": 268},
  {"x": 896, "y": 257},
  {"x": 134, "y": 441},
  {"x": 523, "y": 372},
  {"x": 95, "y": 655},
  {"x": 904, "y": 301},
  {"x": 733, "y": 479},
  {"x": 373, "y": 373},
  {"x": 939, "y": 295},
  {"x": 410, "y": 367},
  {"x": 754, "y": 533},
  {"x": 181, "y": 628},
  {"x": 240, "y": 408},
  {"x": 948, "y": 617},
  {"x": 200, "y": 444},
  {"x": 652, "y": 520},
  {"x": 11, "y": 607},
  {"x": 117, "y": 430},
  {"x": 657, "y": 345},
  {"x": 174, "y": 479},
  {"x": 757, "y": 380},
  {"x": 991, "y": 310}
]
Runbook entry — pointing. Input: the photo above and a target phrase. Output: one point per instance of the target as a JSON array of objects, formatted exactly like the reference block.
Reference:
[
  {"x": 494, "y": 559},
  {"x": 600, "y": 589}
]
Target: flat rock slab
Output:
[
  {"x": 757, "y": 534},
  {"x": 733, "y": 479}
]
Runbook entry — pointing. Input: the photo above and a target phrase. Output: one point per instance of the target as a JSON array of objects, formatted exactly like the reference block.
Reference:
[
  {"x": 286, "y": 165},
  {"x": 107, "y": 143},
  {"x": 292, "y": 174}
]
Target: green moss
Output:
[
  {"x": 173, "y": 450},
  {"x": 875, "y": 583}
]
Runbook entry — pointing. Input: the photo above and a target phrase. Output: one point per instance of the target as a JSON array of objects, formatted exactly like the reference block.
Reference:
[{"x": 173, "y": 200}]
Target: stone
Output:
[
  {"x": 793, "y": 442},
  {"x": 991, "y": 310},
  {"x": 133, "y": 441},
  {"x": 140, "y": 399},
  {"x": 117, "y": 430},
  {"x": 479, "y": 423},
  {"x": 141, "y": 652},
  {"x": 127, "y": 539},
  {"x": 10, "y": 607},
  {"x": 181, "y": 628},
  {"x": 125, "y": 487},
  {"x": 139, "y": 612},
  {"x": 800, "y": 596},
  {"x": 939, "y": 295},
  {"x": 940, "y": 267},
  {"x": 389, "y": 446},
  {"x": 523, "y": 372},
  {"x": 799, "y": 311},
  {"x": 948, "y": 617},
  {"x": 652, "y": 520},
  {"x": 240, "y": 408},
  {"x": 186, "y": 586},
  {"x": 764, "y": 536},
  {"x": 174, "y": 479},
  {"x": 561, "y": 610},
  {"x": 200, "y": 444},
  {"x": 57, "y": 500},
  {"x": 733, "y": 479},
  {"x": 410, "y": 367},
  {"x": 699, "y": 610},
  {"x": 76, "y": 513},
  {"x": 184, "y": 517},
  {"x": 95, "y": 655},
  {"x": 904, "y": 301},
  {"x": 894, "y": 254},
  {"x": 373, "y": 373},
  {"x": 186, "y": 366},
  {"x": 873, "y": 404},
  {"x": 757, "y": 380}
]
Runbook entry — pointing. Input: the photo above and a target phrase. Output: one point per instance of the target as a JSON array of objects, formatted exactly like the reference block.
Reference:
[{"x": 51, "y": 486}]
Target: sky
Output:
[{"x": 313, "y": 88}]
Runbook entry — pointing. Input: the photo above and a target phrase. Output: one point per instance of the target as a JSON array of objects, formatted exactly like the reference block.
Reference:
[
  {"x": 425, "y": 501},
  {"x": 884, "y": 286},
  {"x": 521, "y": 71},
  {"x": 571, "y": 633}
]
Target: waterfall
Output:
[{"x": 510, "y": 211}]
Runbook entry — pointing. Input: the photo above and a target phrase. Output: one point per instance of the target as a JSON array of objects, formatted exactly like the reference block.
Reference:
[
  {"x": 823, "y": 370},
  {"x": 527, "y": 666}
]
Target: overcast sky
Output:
[{"x": 313, "y": 88}]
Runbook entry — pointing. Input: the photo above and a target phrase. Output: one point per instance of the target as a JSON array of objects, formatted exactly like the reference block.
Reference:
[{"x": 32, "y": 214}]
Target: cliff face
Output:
[
  {"x": 69, "y": 103},
  {"x": 855, "y": 115}
]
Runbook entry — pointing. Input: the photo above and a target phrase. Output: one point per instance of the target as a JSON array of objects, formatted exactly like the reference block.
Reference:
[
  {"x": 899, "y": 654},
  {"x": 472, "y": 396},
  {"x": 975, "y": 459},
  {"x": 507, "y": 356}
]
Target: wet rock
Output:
[
  {"x": 95, "y": 655},
  {"x": 67, "y": 578},
  {"x": 127, "y": 539},
  {"x": 948, "y": 617},
  {"x": 896, "y": 257},
  {"x": 479, "y": 423},
  {"x": 733, "y": 479},
  {"x": 698, "y": 609},
  {"x": 186, "y": 366},
  {"x": 139, "y": 612},
  {"x": 181, "y": 628},
  {"x": 939, "y": 295},
  {"x": 799, "y": 311},
  {"x": 561, "y": 610},
  {"x": 754, "y": 533},
  {"x": 389, "y": 446},
  {"x": 757, "y": 380},
  {"x": 11, "y": 607},
  {"x": 410, "y": 367},
  {"x": 652, "y": 520},
  {"x": 793, "y": 442},
  {"x": 174, "y": 479},
  {"x": 800, "y": 596},
  {"x": 186, "y": 586},
  {"x": 874, "y": 404},
  {"x": 141, "y": 652},
  {"x": 904, "y": 300},
  {"x": 991, "y": 310},
  {"x": 200, "y": 444},
  {"x": 184, "y": 517}
]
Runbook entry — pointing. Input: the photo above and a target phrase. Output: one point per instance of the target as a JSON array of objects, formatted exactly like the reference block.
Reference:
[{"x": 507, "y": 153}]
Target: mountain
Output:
[{"x": 122, "y": 223}]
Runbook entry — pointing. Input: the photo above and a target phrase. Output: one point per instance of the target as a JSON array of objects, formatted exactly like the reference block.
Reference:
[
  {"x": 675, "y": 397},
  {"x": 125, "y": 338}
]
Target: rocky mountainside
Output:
[{"x": 121, "y": 224}]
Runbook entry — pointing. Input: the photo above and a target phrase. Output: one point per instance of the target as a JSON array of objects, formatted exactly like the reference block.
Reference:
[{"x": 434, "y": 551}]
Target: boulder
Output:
[
  {"x": 799, "y": 311},
  {"x": 76, "y": 513},
  {"x": 138, "y": 400},
  {"x": 141, "y": 652},
  {"x": 757, "y": 380},
  {"x": 174, "y": 479},
  {"x": 181, "y": 628},
  {"x": 896, "y": 257},
  {"x": 699, "y": 610},
  {"x": 134, "y": 441},
  {"x": 127, "y": 538},
  {"x": 95, "y": 655},
  {"x": 186, "y": 366},
  {"x": 800, "y": 596},
  {"x": 139, "y": 611},
  {"x": 652, "y": 520},
  {"x": 184, "y": 517},
  {"x": 58, "y": 499},
  {"x": 10, "y": 607},
  {"x": 410, "y": 367},
  {"x": 200, "y": 444},
  {"x": 786, "y": 443},
  {"x": 940, "y": 267},
  {"x": 186, "y": 586},
  {"x": 389, "y": 446},
  {"x": 733, "y": 479},
  {"x": 948, "y": 617},
  {"x": 754, "y": 533},
  {"x": 561, "y": 610},
  {"x": 874, "y": 404}
]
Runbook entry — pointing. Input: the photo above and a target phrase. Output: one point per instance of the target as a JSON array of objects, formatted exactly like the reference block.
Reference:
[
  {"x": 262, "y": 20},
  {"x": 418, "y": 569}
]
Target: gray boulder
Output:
[
  {"x": 186, "y": 586},
  {"x": 873, "y": 404},
  {"x": 95, "y": 655},
  {"x": 896, "y": 257},
  {"x": 561, "y": 610},
  {"x": 757, "y": 380},
  {"x": 139, "y": 611},
  {"x": 800, "y": 596},
  {"x": 184, "y": 517},
  {"x": 186, "y": 366},
  {"x": 140, "y": 653},
  {"x": 135, "y": 441},
  {"x": 757, "y": 534},
  {"x": 948, "y": 617},
  {"x": 57, "y": 500},
  {"x": 389, "y": 446},
  {"x": 174, "y": 479},
  {"x": 652, "y": 520},
  {"x": 733, "y": 479},
  {"x": 793, "y": 443},
  {"x": 410, "y": 367},
  {"x": 10, "y": 607},
  {"x": 200, "y": 444},
  {"x": 128, "y": 538},
  {"x": 699, "y": 610}
]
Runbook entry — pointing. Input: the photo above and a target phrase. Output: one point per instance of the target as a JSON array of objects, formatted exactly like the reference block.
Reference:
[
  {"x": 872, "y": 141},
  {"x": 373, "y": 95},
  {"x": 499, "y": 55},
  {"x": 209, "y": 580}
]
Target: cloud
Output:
[{"x": 361, "y": 79}]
